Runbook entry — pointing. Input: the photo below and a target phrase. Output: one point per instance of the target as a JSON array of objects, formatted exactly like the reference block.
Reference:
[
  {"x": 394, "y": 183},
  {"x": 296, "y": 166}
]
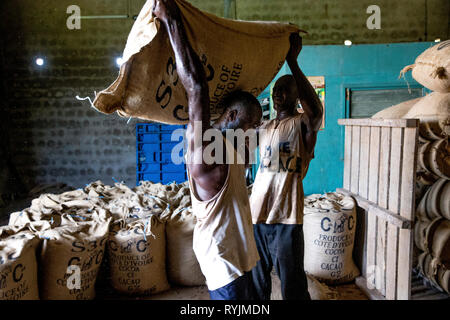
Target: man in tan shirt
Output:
[
  {"x": 276, "y": 202},
  {"x": 223, "y": 236}
]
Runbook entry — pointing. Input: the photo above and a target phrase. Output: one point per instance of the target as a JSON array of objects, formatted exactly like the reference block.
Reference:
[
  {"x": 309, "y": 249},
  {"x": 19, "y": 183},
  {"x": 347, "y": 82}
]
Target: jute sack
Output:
[
  {"x": 18, "y": 266},
  {"x": 438, "y": 200},
  {"x": 433, "y": 110},
  {"x": 320, "y": 291},
  {"x": 420, "y": 228},
  {"x": 437, "y": 240},
  {"x": 434, "y": 157},
  {"x": 70, "y": 212},
  {"x": 317, "y": 290},
  {"x": 148, "y": 86},
  {"x": 396, "y": 111},
  {"x": 329, "y": 225},
  {"x": 182, "y": 265},
  {"x": 70, "y": 259},
  {"x": 432, "y": 68},
  {"x": 137, "y": 256}
]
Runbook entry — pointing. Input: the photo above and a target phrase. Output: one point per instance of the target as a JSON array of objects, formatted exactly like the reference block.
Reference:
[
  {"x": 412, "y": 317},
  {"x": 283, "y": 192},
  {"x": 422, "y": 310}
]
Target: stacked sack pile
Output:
[
  {"x": 140, "y": 237},
  {"x": 432, "y": 225}
]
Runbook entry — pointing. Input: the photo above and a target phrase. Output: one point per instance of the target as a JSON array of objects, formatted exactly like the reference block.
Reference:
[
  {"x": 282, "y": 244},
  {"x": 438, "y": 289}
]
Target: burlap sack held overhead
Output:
[
  {"x": 432, "y": 68},
  {"x": 236, "y": 55},
  {"x": 18, "y": 266}
]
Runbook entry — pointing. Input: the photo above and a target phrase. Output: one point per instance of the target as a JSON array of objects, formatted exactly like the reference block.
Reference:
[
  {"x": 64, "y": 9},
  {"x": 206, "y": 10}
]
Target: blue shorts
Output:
[{"x": 239, "y": 289}]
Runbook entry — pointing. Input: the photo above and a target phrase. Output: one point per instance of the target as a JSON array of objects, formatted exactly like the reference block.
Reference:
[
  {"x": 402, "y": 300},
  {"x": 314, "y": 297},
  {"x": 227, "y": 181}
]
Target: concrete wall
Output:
[
  {"x": 333, "y": 21},
  {"x": 52, "y": 137}
]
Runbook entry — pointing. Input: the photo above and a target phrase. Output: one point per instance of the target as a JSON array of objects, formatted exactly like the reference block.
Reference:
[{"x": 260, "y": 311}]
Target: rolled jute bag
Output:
[
  {"x": 437, "y": 273},
  {"x": 182, "y": 265},
  {"x": 437, "y": 240},
  {"x": 438, "y": 199},
  {"x": 137, "y": 256},
  {"x": 433, "y": 111},
  {"x": 70, "y": 260},
  {"x": 434, "y": 157},
  {"x": 421, "y": 210},
  {"x": 420, "y": 228},
  {"x": 148, "y": 86},
  {"x": 329, "y": 226},
  {"x": 396, "y": 111},
  {"x": 18, "y": 265},
  {"x": 426, "y": 178},
  {"x": 424, "y": 263},
  {"x": 432, "y": 68},
  {"x": 443, "y": 278}
]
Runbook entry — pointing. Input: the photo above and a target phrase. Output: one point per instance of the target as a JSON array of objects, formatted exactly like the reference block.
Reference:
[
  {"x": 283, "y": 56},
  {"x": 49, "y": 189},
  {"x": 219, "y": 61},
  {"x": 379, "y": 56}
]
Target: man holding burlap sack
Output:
[
  {"x": 277, "y": 197},
  {"x": 223, "y": 236}
]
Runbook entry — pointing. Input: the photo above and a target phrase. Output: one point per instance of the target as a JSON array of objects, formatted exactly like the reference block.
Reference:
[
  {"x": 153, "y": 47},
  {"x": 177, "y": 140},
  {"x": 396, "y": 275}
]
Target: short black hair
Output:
[{"x": 242, "y": 100}]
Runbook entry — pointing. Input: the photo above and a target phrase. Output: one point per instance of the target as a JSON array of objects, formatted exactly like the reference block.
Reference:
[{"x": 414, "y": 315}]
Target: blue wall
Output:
[{"x": 358, "y": 66}]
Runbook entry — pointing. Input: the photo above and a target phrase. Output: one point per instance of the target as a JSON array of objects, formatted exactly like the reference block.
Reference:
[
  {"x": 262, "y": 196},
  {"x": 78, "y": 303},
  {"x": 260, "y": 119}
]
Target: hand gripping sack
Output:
[
  {"x": 70, "y": 260},
  {"x": 235, "y": 54},
  {"x": 329, "y": 226},
  {"x": 432, "y": 68},
  {"x": 182, "y": 265},
  {"x": 137, "y": 256},
  {"x": 18, "y": 266}
]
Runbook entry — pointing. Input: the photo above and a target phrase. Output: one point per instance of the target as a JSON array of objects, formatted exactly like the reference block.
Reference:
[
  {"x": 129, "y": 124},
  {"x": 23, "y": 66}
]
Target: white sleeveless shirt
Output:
[{"x": 223, "y": 242}]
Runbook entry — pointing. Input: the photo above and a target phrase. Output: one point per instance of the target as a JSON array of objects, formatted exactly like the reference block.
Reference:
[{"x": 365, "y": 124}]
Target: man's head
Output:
[
  {"x": 285, "y": 94},
  {"x": 241, "y": 111}
]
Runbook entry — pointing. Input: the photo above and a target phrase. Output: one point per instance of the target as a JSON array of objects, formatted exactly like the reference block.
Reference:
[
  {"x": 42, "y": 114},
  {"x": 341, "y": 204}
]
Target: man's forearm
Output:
[
  {"x": 309, "y": 100},
  {"x": 189, "y": 69}
]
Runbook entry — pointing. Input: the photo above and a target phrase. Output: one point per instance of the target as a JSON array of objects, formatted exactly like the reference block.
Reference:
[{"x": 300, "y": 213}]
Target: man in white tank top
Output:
[
  {"x": 277, "y": 196},
  {"x": 223, "y": 236}
]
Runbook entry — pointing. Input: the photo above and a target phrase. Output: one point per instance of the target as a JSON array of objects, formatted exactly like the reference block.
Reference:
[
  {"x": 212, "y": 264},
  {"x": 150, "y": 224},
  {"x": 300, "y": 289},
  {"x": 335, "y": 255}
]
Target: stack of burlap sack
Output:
[
  {"x": 142, "y": 237},
  {"x": 432, "y": 225}
]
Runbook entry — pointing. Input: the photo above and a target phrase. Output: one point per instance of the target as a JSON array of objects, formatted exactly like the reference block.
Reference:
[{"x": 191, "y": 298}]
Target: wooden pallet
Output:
[{"x": 379, "y": 172}]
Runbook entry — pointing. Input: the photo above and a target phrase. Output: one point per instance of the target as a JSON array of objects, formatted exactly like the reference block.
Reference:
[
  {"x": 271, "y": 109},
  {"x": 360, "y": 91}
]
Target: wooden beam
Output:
[
  {"x": 396, "y": 123},
  {"x": 384, "y": 214},
  {"x": 372, "y": 294}
]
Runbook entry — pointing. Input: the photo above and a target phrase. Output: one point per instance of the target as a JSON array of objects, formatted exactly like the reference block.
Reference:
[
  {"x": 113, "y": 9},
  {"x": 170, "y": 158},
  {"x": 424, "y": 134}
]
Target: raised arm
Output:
[
  {"x": 209, "y": 178},
  {"x": 309, "y": 100},
  {"x": 188, "y": 64}
]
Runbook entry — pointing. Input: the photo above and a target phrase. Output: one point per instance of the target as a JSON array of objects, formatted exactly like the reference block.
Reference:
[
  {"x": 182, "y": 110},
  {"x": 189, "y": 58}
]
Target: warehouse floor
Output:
[{"x": 342, "y": 292}]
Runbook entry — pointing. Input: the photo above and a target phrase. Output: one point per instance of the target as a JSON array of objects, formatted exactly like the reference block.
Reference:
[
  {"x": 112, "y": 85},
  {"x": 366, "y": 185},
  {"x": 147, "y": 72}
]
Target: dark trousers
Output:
[
  {"x": 280, "y": 246},
  {"x": 239, "y": 289}
]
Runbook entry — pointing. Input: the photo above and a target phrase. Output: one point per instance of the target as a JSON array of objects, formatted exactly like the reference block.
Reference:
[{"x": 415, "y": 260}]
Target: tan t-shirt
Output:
[
  {"x": 277, "y": 193},
  {"x": 223, "y": 241}
]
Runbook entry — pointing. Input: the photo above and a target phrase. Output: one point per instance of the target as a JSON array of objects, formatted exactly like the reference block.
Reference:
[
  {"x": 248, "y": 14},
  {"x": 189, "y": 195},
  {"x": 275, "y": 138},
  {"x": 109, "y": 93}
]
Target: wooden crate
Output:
[{"x": 379, "y": 172}]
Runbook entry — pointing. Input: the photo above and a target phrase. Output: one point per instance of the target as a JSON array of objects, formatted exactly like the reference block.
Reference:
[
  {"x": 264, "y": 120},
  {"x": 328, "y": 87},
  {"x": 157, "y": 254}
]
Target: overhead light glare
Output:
[{"x": 40, "y": 61}]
